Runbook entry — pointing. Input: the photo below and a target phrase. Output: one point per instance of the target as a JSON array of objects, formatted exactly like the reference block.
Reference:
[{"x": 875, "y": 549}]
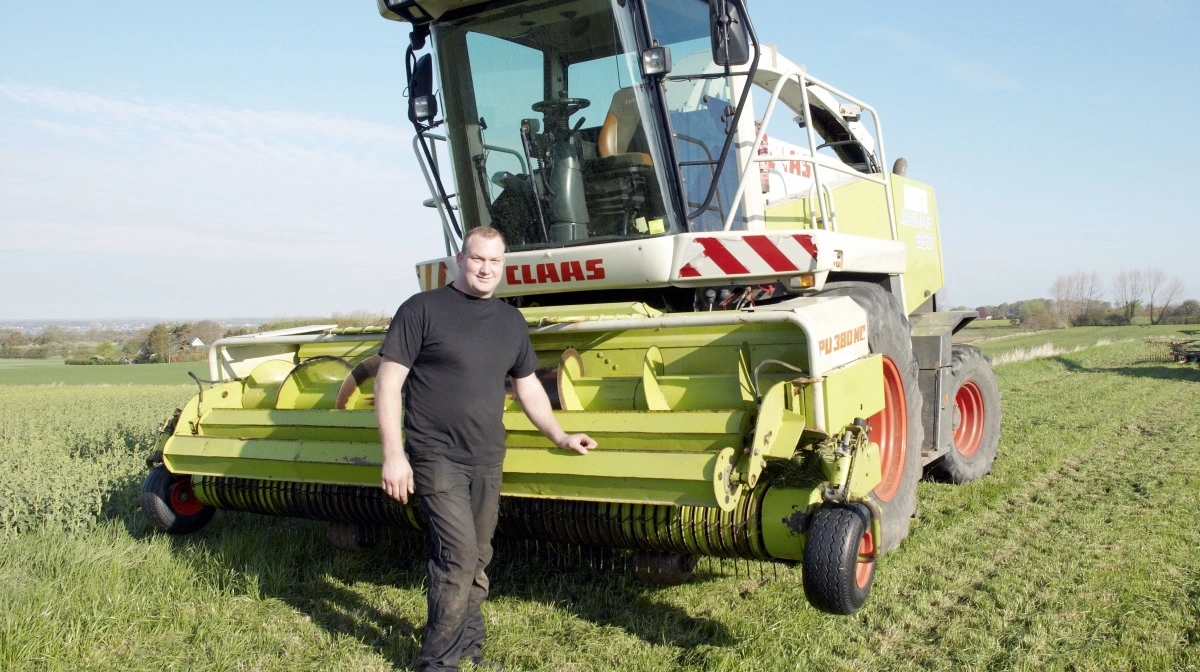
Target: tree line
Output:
[
  {"x": 1083, "y": 298},
  {"x": 162, "y": 342}
]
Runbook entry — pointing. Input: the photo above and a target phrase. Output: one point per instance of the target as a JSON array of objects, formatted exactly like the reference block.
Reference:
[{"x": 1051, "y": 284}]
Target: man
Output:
[{"x": 450, "y": 350}]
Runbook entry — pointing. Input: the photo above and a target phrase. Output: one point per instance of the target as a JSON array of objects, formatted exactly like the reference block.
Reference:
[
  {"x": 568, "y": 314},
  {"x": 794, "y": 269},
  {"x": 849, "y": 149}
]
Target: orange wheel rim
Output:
[
  {"x": 183, "y": 500},
  {"x": 864, "y": 568},
  {"x": 889, "y": 429},
  {"x": 970, "y": 416}
]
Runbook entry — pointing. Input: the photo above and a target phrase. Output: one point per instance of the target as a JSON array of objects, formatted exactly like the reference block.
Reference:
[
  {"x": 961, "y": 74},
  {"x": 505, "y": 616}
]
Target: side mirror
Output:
[
  {"x": 422, "y": 104},
  {"x": 730, "y": 34}
]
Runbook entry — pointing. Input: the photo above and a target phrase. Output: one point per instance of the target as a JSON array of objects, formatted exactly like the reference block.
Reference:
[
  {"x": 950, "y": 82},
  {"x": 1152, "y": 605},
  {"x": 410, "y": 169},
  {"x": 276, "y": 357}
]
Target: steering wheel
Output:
[{"x": 561, "y": 108}]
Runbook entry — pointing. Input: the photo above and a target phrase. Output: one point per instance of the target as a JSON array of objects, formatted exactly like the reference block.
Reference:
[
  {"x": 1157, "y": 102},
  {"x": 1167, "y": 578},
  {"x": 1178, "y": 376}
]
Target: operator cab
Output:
[{"x": 556, "y": 133}]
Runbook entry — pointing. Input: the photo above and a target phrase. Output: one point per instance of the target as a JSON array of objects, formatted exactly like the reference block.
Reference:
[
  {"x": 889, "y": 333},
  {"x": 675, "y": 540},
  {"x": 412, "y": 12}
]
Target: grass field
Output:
[{"x": 1076, "y": 553}]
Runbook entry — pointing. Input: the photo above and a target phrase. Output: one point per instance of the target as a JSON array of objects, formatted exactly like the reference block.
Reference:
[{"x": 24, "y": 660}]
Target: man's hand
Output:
[
  {"x": 580, "y": 443},
  {"x": 397, "y": 478},
  {"x": 533, "y": 400}
]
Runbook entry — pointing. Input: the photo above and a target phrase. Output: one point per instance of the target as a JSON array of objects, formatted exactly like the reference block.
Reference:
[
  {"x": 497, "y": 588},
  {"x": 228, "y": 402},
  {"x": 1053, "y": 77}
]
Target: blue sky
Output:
[{"x": 217, "y": 159}]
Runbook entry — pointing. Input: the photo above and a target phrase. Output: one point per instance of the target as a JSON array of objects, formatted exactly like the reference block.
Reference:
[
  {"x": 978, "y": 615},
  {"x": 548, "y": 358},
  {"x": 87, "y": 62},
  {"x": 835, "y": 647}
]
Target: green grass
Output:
[
  {"x": 54, "y": 372},
  {"x": 1076, "y": 553}
]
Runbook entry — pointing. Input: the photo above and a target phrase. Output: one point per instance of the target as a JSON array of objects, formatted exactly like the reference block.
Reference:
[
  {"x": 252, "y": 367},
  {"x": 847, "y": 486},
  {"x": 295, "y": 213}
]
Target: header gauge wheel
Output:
[
  {"x": 838, "y": 561},
  {"x": 170, "y": 504}
]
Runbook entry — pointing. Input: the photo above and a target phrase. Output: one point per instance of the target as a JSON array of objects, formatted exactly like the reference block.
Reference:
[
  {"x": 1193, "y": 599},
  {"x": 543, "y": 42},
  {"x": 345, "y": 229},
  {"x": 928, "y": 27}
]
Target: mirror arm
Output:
[
  {"x": 410, "y": 61},
  {"x": 712, "y": 187}
]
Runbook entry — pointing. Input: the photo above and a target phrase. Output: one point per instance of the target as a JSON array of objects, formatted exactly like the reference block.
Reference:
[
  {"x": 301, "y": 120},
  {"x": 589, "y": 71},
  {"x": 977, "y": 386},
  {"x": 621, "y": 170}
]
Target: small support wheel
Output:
[
  {"x": 837, "y": 577},
  {"x": 976, "y": 418},
  {"x": 352, "y": 536},
  {"x": 170, "y": 504}
]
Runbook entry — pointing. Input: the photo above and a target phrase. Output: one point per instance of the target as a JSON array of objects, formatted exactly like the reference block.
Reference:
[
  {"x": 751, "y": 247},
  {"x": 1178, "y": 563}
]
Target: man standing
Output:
[{"x": 450, "y": 350}]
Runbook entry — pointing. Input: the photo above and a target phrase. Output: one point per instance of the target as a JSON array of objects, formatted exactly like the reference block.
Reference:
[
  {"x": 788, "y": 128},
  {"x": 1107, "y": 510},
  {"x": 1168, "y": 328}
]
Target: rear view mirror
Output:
[
  {"x": 730, "y": 35},
  {"x": 422, "y": 104}
]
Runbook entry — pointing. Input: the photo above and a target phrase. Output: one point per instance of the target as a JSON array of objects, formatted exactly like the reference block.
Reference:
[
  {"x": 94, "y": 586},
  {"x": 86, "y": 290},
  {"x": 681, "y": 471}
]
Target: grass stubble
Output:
[{"x": 1076, "y": 553}]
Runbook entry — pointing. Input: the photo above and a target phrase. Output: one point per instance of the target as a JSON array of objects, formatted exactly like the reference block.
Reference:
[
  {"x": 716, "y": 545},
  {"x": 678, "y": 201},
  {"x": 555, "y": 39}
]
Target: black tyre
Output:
[
  {"x": 897, "y": 428},
  {"x": 170, "y": 505},
  {"x": 663, "y": 569},
  {"x": 352, "y": 536},
  {"x": 976, "y": 418},
  {"x": 835, "y": 580}
]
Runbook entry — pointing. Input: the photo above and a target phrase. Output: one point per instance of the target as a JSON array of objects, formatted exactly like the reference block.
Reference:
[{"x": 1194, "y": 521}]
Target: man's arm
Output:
[
  {"x": 532, "y": 396},
  {"x": 397, "y": 476}
]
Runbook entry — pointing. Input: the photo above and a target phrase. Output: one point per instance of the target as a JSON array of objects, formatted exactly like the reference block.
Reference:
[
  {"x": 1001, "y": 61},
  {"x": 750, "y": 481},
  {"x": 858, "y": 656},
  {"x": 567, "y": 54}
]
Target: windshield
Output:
[
  {"x": 547, "y": 117},
  {"x": 700, "y": 103}
]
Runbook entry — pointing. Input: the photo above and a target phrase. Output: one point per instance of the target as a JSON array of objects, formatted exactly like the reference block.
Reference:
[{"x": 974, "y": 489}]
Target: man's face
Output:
[{"x": 480, "y": 266}]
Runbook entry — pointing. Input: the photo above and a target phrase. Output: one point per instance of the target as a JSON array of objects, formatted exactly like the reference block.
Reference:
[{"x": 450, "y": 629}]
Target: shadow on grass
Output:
[
  {"x": 1185, "y": 372},
  {"x": 345, "y": 593}
]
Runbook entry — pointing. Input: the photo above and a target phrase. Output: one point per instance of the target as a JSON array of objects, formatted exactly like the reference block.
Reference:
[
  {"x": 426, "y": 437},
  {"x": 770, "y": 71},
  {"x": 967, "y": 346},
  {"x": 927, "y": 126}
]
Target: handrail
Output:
[
  {"x": 798, "y": 75},
  {"x": 711, "y": 163},
  {"x": 447, "y": 231}
]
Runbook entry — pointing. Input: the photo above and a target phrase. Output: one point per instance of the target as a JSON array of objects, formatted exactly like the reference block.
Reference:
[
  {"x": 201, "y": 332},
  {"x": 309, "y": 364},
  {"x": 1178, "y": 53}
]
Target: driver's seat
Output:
[
  {"x": 621, "y": 139},
  {"x": 619, "y": 185}
]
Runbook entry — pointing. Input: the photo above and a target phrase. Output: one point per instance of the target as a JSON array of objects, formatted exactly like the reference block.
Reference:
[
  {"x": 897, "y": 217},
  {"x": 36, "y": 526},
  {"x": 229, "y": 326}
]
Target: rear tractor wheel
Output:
[
  {"x": 170, "y": 504},
  {"x": 839, "y": 564},
  {"x": 976, "y": 418}
]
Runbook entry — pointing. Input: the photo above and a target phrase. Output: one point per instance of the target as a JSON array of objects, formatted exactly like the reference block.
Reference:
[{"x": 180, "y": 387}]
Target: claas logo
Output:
[
  {"x": 845, "y": 339},
  {"x": 565, "y": 271}
]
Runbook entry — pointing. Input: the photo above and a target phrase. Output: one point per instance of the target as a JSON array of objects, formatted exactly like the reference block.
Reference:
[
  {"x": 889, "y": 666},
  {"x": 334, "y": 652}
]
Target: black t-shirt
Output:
[{"x": 459, "y": 349}]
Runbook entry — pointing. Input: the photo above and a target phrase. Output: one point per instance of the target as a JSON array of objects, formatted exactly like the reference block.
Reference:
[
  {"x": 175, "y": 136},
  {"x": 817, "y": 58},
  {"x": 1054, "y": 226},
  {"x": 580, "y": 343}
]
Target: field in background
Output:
[
  {"x": 54, "y": 372},
  {"x": 1006, "y": 344},
  {"x": 1076, "y": 553}
]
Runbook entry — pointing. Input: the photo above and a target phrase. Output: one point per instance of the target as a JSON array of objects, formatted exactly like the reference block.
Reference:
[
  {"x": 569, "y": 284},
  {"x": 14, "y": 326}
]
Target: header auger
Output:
[{"x": 739, "y": 304}]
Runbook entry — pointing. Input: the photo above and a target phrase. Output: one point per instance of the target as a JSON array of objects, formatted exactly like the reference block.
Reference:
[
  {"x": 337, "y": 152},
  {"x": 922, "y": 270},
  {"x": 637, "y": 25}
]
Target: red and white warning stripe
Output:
[
  {"x": 433, "y": 275},
  {"x": 754, "y": 255}
]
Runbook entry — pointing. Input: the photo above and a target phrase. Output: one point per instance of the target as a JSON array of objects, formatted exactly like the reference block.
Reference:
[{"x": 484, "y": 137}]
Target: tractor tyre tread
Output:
[
  {"x": 831, "y": 557},
  {"x": 888, "y": 334}
]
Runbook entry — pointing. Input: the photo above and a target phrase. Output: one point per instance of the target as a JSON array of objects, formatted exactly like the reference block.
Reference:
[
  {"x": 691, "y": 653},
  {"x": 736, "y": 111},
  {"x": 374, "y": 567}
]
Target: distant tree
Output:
[
  {"x": 14, "y": 339},
  {"x": 1074, "y": 296},
  {"x": 1187, "y": 312},
  {"x": 1037, "y": 314},
  {"x": 1161, "y": 291},
  {"x": 1129, "y": 288},
  {"x": 207, "y": 331},
  {"x": 158, "y": 343},
  {"x": 50, "y": 335},
  {"x": 105, "y": 349}
]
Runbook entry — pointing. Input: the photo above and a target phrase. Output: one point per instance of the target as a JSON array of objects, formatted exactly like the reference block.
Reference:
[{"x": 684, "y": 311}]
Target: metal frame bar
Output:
[
  {"x": 817, "y": 161},
  {"x": 296, "y": 336},
  {"x": 447, "y": 231}
]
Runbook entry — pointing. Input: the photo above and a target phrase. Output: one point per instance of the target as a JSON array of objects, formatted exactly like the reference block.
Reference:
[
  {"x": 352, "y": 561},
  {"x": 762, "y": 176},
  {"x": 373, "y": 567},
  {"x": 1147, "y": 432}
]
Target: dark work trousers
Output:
[{"x": 460, "y": 505}]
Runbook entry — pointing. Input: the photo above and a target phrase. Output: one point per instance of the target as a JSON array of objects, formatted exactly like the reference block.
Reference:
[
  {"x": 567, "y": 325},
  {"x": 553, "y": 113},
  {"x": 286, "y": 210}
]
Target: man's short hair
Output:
[{"x": 485, "y": 232}]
